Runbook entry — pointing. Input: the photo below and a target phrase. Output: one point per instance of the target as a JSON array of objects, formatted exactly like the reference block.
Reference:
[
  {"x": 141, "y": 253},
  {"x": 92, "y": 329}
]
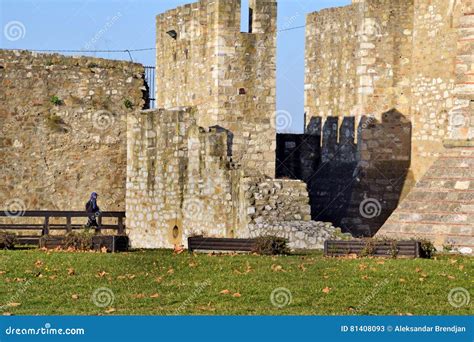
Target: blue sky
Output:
[{"x": 129, "y": 24}]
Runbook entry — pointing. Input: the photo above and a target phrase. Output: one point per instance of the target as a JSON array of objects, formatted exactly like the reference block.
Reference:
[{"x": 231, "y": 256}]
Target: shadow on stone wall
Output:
[{"x": 355, "y": 178}]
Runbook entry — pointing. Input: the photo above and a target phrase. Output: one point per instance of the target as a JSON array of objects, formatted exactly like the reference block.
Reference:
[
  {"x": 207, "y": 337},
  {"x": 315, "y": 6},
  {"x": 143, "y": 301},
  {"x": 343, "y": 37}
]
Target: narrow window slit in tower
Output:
[{"x": 245, "y": 17}]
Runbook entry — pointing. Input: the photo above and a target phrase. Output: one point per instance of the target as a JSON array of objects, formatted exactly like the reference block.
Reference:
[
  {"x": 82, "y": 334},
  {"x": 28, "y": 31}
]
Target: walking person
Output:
[{"x": 93, "y": 210}]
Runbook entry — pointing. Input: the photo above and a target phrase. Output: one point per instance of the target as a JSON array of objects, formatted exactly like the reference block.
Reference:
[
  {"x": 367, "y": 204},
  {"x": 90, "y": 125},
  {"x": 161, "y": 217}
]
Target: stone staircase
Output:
[{"x": 441, "y": 205}]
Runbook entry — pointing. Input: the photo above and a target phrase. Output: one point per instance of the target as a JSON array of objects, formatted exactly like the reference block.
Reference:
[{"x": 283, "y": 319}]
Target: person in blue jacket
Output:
[{"x": 93, "y": 210}]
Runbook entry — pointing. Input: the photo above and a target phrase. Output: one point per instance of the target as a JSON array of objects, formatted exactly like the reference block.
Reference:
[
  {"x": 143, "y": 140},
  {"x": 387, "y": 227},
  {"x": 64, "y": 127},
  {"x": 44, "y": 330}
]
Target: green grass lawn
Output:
[{"x": 161, "y": 283}]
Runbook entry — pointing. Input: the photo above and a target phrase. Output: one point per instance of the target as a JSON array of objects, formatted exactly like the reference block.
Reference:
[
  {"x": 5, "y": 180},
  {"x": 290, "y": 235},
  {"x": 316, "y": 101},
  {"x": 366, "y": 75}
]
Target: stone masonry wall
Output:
[
  {"x": 63, "y": 129},
  {"x": 410, "y": 55},
  {"x": 181, "y": 181},
  {"x": 228, "y": 75},
  {"x": 354, "y": 183},
  {"x": 441, "y": 206}
]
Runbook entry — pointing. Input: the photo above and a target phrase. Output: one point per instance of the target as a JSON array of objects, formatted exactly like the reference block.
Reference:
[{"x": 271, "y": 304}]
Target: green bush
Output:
[
  {"x": 7, "y": 240},
  {"x": 79, "y": 241},
  {"x": 56, "y": 100},
  {"x": 128, "y": 104},
  {"x": 271, "y": 245},
  {"x": 428, "y": 250}
]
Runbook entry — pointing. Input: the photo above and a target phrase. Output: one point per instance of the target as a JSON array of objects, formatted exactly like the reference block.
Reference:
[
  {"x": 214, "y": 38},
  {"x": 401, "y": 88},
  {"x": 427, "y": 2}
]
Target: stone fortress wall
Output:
[
  {"x": 415, "y": 57},
  {"x": 355, "y": 172},
  {"x": 230, "y": 76},
  {"x": 402, "y": 54},
  {"x": 181, "y": 181},
  {"x": 56, "y": 151},
  {"x": 388, "y": 86},
  {"x": 205, "y": 163}
]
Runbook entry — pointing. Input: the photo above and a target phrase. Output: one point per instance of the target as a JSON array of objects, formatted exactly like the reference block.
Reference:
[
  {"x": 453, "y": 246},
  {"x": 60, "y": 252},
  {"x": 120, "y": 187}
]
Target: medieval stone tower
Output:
[
  {"x": 203, "y": 60},
  {"x": 413, "y": 58},
  {"x": 205, "y": 162}
]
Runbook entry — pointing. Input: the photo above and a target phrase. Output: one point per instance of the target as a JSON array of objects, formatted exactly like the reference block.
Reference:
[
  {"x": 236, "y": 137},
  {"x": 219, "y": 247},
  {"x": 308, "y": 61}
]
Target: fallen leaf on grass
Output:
[
  {"x": 450, "y": 277},
  {"x": 102, "y": 274},
  {"x": 138, "y": 296},
  {"x": 236, "y": 295},
  {"x": 159, "y": 279},
  {"x": 277, "y": 268},
  {"x": 38, "y": 263},
  {"x": 7, "y": 314},
  {"x": 301, "y": 267},
  {"x": 110, "y": 310},
  {"x": 155, "y": 295},
  {"x": 327, "y": 289},
  {"x": 71, "y": 271},
  {"x": 247, "y": 270},
  {"x": 224, "y": 291},
  {"x": 170, "y": 271},
  {"x": 362, "y": 267},
  {"x": 178, "y": 249},
  {"x": 418, "y": 270},
  {"x": 461, "y": 267},
  {"x": 2, "y": 272},
  {"x": 75, "y": 296},
  {"x": 13, "y": 304},
  {"x": 401, "y": 280},
  {"x": 381, "y": 262},
  {"x": 103, "y": 250}
]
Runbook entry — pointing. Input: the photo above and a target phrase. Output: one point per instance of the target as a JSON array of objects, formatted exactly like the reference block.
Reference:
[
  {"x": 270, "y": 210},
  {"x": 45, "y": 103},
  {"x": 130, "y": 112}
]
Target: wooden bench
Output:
[
  {"x": 220, "y": 244},
  {"x": 46, "y": 227},
  {"x": 406, "y": 249}
]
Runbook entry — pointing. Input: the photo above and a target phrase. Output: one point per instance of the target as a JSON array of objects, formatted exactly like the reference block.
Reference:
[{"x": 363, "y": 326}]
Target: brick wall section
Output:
[
  {"x": 228, "y": 75},
  {"x": 54, "y": 156},
  {"x": 440, "y": 207}
]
